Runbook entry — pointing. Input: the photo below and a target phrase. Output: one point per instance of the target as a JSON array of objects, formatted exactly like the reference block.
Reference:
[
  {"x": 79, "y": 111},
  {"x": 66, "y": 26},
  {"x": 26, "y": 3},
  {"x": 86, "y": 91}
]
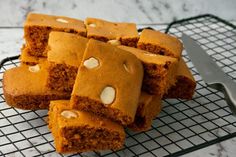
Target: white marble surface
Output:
[
  {"x": 11, "y": 41},
  {"x": 13, "y": 12},
  {"x": 151, "y": 11},
  {"x": 223, "y": 149}
]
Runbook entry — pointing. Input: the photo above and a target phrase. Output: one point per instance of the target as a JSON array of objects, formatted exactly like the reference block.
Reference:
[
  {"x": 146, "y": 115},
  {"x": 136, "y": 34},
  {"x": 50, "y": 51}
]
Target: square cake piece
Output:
[
  {"x": 159, "y": 71},
  {"x": 149, "y": 107},
  {"x": 112, "y": 32},
  {"x": 160, "y": 43},
  {"x": 108, "y": 82},
  {"x": 185, "y": 84},
  {"x": 24, "y": 87},
  {"x": 64, "y": 58},
  {"x": 26, "y": 58},
  {"x": 80, "y": 131},
  {"x": 38, "y": 26}
]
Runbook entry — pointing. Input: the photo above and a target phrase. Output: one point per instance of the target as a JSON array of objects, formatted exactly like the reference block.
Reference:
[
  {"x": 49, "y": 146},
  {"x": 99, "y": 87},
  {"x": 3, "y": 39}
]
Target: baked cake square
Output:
[
  {"x": 64, "y": 58},
  {"x": 108, "y": 82},
  {"x": 24, "y": 87},
  {"x": 185, "y": 84},
  {"x": 112, "y": 32},
  {"x": 149, "y": 107},
  {"x": 159, "y": 71},
  {"x": 160, "y": 43},
  {"x": 38, "y": 26},
  {"x": 80, "y": 131}
]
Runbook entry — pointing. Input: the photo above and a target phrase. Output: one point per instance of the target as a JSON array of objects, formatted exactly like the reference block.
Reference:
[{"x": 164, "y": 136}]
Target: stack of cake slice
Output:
[{"x": 95, "y": 77}]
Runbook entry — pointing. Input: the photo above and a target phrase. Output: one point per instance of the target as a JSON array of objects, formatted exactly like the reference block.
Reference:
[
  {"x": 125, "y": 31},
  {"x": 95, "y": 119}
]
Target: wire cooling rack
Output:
[{"x": 182, "y": 126}]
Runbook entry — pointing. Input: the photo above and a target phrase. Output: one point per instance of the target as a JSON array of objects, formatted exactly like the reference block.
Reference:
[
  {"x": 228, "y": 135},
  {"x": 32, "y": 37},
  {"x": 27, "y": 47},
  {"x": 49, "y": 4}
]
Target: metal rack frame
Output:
[{"x": 182, "y": 127}]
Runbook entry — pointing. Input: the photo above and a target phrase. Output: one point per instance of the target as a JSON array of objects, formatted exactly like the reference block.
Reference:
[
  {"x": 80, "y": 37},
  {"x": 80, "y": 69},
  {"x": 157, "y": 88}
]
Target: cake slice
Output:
[
  {"x": 149, "y": 107},
  {"x": 112, "y": 32},
  {"x": 26, "y": 58},
  {"x": 185, "y": 84},
  {"x": 38, "y": 26},
  {"x": 64, "y": 58},
  {"x": 80, "y": 131},
  {"x": 24, "y": 87},
  {"x": 108, "y": 82},
  {"x": 159, "y": 71},
  {"x": 160, "y": 43}
]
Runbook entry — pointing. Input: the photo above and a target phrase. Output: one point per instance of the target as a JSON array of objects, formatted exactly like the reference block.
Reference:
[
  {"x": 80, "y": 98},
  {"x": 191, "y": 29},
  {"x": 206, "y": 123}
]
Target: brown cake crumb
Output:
[
  {"x": 185, "y": 84},
  {"x": 64, "y": 58},
  {"x": 27, "y": 59},
  {"x": 105, "y": 31},
  {"x": 61, "y": 77},
  {"x": 38, "y": 26},
  {"x": 149, "y": 107},
  {"x": 160, "y": 43},
  {"x": 83, "y": 133}
]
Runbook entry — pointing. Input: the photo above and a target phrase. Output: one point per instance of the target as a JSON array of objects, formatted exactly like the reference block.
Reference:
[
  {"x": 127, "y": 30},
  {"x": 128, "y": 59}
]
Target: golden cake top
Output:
[
  {"x": 171, "y": 43},
  {"x": 66, "y": 48},
  {"x": 67, "y": 117},
  {"x": 114, "y": 77},
  {"x": 60, "y": 22},
  {"x": 27, "y": 80},
  {"x": 148, "y": 57},
  {"x": 110, "y": 30}
]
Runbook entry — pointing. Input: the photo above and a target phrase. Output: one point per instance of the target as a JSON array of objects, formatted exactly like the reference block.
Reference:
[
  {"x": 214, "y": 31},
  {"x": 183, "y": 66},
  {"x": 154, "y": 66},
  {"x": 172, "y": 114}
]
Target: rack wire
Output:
[{"x": 182, "y": 126}]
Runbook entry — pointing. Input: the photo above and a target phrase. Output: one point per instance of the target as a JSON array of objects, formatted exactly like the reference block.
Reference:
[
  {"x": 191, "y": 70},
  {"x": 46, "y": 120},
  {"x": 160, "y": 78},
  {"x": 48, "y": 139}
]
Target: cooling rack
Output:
[{"x": 182, "y": 126}]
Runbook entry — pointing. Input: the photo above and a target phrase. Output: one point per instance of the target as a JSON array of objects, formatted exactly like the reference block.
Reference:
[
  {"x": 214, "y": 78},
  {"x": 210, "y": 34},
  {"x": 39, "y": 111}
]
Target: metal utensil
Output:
[{"x": 213, "y": 75}]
